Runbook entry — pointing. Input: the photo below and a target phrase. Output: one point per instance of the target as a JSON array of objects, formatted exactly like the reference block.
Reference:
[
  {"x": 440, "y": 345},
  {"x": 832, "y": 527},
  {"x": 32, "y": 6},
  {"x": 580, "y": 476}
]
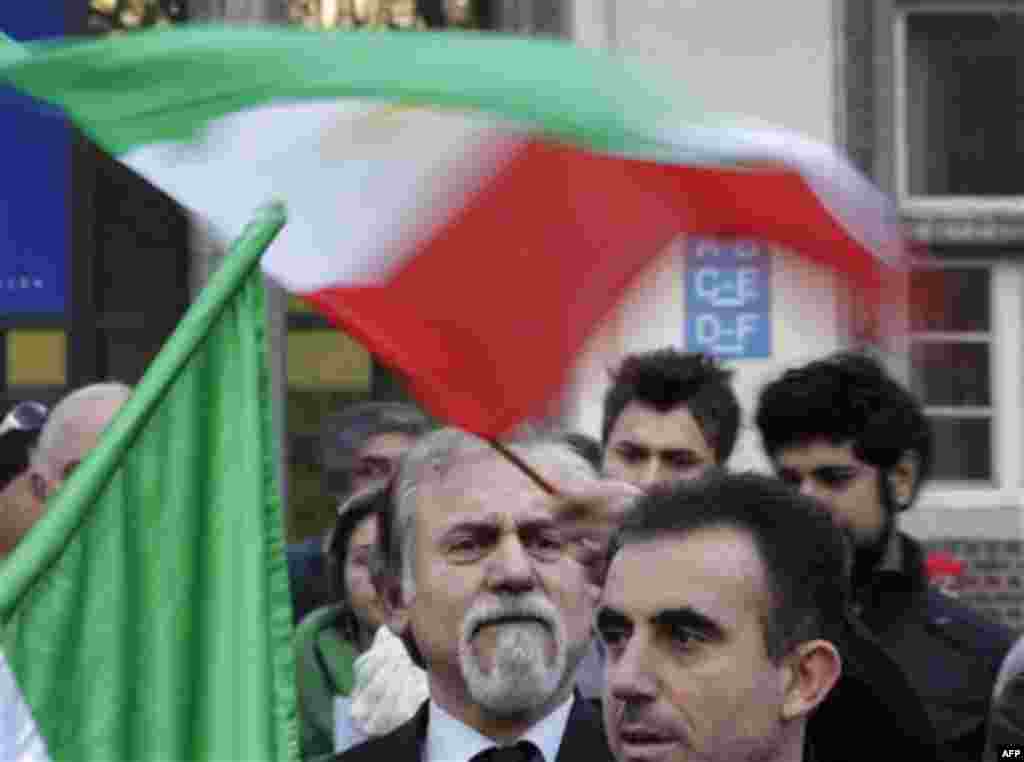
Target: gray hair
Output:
[
  {"x": 346, "y": 431},
  {"x": 429, "y": 461},
  {"x": 71, "y": 413}
]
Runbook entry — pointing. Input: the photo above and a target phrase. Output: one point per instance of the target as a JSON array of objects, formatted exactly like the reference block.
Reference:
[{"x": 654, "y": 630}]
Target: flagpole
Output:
[{"x": 523, "y": 466}]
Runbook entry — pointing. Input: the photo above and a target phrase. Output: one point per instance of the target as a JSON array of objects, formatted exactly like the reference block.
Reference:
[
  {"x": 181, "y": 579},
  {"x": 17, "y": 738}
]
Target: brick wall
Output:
[{"x": 993, "y": 580}]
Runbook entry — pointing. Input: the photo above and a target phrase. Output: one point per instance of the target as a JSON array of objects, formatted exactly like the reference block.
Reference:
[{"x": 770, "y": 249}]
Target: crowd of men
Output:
[{"x": 558, "y": 599}]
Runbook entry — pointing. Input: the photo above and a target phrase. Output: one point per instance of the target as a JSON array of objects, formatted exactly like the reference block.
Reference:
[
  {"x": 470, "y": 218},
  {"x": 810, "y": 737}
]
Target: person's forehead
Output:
[
  {"x": 715, "y": 571},
  {"x": 83, "y": 430},
  {"x": 673, "y": 429},
  {"x": 818, "y": 453},
  {"x": 388, "y": 444},
  {"x": 485, "y": 486}
]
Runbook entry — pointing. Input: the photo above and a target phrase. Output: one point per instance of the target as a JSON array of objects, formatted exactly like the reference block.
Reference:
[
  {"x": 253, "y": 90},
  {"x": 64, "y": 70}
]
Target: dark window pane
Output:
[
  {"x": 950, "y": 300},
  {"x": 965, "y": 103},
  {"x": 963, "y": 449},
  {"x": 946, "y": 373}
]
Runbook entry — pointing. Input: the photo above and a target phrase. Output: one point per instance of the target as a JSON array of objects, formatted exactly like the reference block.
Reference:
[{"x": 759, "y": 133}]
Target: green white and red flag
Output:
[{"x": 468, "y": 206}]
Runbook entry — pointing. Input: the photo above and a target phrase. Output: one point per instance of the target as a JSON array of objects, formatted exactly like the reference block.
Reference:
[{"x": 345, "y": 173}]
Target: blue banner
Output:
[
  {"x": 728, "y": 298},
  {"x": 35, "y": 184}
]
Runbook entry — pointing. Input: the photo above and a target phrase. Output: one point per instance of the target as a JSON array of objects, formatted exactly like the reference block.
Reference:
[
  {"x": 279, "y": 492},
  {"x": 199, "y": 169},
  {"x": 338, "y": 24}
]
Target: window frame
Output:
[
  {"x": 1006, "y": 310},
  {"x": 935, "y": 204}
]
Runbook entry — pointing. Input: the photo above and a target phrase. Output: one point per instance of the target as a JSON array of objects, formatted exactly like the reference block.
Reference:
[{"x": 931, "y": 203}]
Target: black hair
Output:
[
  {"x": 371, "y": 503},
  {"x": 347, "y": 430},
  {"x": 666, "y": 379},
  {"x": 846, "y": 397},
  {"x": 806, "y": 556},
  {"x": 19, "y": 431}
]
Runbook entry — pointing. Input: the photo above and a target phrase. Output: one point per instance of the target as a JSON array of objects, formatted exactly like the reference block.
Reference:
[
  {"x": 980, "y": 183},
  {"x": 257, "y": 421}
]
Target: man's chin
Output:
[{"x": 512, "y": 643}]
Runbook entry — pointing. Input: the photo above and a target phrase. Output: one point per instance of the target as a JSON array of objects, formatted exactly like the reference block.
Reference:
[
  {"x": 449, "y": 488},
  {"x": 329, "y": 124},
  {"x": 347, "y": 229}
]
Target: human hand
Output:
[{"x": 589, "y": 515}]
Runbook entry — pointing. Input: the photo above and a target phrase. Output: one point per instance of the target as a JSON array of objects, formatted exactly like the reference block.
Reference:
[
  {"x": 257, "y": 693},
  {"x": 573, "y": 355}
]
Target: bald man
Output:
[{"x": 71, "y": 432}]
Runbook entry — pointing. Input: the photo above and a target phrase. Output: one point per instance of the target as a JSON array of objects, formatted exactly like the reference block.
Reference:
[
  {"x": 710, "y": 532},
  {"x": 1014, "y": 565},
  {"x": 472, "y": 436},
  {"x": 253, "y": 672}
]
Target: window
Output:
[
  {"x": 950, "y": 367},
  {"x": 965, "y": 358},
  {"x": 959, "y": 101}
]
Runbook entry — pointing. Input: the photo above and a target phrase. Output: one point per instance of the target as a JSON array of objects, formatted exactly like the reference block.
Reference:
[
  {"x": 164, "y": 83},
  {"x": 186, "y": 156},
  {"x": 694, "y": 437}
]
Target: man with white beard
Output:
[{"x": 497, "y": 606}]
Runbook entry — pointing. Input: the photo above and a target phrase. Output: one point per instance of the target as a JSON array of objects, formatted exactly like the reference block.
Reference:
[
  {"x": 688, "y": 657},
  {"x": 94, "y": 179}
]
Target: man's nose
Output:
[
  {"x": 629, "y": 676},
  {"x": 648, "y": 473},
  {"x": 809, "y": 487},
  {"x": 510, "y": 567}
]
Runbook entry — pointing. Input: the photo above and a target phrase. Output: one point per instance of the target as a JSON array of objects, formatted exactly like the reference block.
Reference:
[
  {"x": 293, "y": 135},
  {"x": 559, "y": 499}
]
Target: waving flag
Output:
[
  {"x": 147, "y": 617},
  {"x": 468, "y": 206}
]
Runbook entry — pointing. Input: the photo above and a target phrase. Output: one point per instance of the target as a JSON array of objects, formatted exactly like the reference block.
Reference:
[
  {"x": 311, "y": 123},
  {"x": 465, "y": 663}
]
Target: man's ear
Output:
[
  {"x": 903, "y": 478},
  {"x": 814, "y": 669}
]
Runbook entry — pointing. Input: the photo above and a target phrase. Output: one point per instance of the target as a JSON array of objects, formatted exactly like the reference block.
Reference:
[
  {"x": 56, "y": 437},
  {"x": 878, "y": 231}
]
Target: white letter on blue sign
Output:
[
  {"x": 746, "y": 288},
  {"x": 708, "y": 329},
  {"x": 746, "y": 325},
  {"x": 704, "y": 291}
]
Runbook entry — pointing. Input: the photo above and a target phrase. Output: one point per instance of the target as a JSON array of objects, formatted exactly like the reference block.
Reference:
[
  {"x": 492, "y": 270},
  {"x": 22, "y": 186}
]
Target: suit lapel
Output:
[
  {"x": 411, "y": 738},
  {"x": 584, "y": 738},
  {"x": 405, "y": 742}
]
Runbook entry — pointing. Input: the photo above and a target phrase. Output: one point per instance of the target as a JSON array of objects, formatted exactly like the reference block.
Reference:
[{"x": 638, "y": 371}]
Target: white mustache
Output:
[{"x": 488, "y": 611}]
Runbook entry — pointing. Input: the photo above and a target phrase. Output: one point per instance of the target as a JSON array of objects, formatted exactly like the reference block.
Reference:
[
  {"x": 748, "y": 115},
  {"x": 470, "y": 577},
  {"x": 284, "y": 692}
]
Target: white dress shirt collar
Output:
[{"x": 451, "y": 740}]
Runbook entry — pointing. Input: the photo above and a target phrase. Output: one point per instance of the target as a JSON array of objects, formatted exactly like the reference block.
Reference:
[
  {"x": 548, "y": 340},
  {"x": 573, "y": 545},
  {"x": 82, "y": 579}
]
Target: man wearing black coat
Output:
[{"x": 842, "y": 430}]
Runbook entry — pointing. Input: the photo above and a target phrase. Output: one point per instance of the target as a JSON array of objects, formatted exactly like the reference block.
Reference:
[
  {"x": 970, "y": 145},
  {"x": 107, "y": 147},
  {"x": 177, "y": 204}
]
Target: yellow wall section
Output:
[
  {"x": 327, "y": 358},
  {"x": 36, "y": 358}
]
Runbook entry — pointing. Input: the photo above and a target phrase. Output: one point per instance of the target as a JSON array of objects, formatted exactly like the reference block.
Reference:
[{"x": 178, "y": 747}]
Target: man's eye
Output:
[
  {"x": 613, "y": 637},
  {"x": 373, "y": 468},
  {"x": 681, "y": 461},
  {"x": 684, "y": 637},
  {"x": 546, "y": 546},
  {"x": 834, "y": 478},
  {"x": 790, "y": 477},
  {"x": 465, "y": 549},
  {"x": 631, "y": 455}
]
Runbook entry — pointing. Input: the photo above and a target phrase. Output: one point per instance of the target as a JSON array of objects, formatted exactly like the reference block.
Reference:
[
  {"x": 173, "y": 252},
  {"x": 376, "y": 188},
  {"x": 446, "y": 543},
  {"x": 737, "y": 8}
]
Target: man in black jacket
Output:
[
  {"x": 750, "y": 652},
  {"x": 842, "y": 430}
]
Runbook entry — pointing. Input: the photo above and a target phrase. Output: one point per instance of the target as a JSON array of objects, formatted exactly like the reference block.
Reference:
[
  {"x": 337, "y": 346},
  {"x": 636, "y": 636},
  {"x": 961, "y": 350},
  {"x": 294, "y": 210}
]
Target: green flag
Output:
[{"x": 147, "y": 616}]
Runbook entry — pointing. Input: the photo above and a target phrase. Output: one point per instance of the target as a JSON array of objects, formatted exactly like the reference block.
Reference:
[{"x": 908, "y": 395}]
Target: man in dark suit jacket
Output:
[
  {"x": 724, "y": 620},
  {"x": 493, "y": 604}
]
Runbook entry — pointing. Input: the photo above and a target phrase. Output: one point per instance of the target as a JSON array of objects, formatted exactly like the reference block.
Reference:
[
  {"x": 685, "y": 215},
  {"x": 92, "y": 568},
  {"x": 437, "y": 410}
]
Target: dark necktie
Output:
[{"x": 524, "y": 751}]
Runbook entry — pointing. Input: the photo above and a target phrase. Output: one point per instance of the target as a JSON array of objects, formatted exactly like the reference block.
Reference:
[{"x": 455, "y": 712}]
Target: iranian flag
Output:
[{"x": 468, "y": 206}]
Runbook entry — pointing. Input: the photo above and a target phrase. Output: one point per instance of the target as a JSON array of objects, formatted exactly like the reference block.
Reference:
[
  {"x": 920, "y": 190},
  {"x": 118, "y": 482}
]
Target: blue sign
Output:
[
  {"x": 35, "y": 184},
  {"x": 728, "y": 298}
]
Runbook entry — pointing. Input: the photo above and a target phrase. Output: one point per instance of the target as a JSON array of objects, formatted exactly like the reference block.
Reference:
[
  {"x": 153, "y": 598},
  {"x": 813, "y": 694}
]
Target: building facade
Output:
[
  {"x": 925, "y": 96},
  {"x": 926, "y": 99}
]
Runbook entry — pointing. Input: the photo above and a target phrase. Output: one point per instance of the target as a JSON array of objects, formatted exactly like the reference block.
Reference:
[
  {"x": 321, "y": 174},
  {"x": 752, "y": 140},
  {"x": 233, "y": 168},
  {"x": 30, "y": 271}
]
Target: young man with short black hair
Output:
[{"x": 668, "y": 415}]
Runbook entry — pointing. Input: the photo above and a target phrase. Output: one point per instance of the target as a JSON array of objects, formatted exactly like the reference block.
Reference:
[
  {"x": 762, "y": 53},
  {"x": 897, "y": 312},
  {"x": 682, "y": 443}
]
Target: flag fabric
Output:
[
  {"x": 147, "y": 616},
  {"x": 467, "y": 205}
]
